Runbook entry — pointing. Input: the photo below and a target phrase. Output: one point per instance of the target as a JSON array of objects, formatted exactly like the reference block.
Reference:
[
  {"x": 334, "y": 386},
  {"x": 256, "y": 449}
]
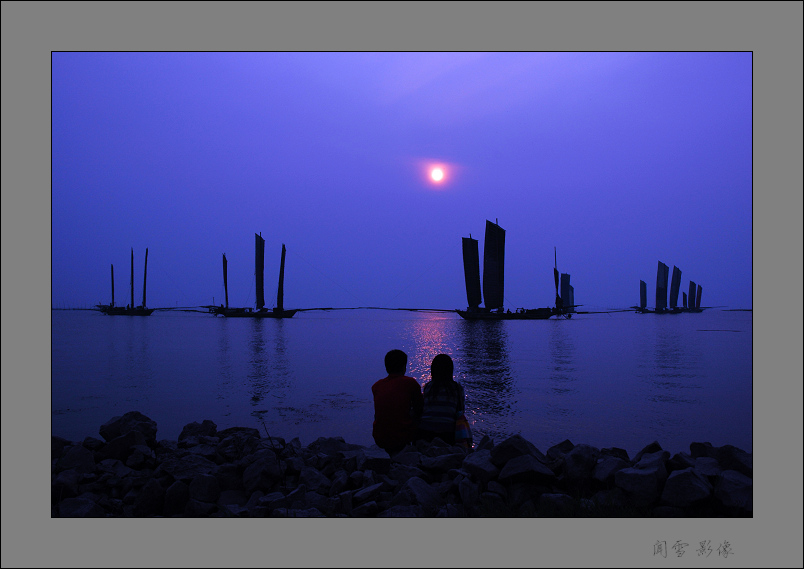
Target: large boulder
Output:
[
  {"x": 479, "y": 465},
  {"x": 735, "y": 490},
  {"x": 195, "y": 429},
  {"x": 186, "y": 468},
  {"x": 525, "y": 468},
  {"x": 513, "y": 447},
  {"x": 685, "y": 487},
  {"x": 131, "y": 421},
  {"x": 76, "y": 458},
  {"x": 580, "y": 462}
]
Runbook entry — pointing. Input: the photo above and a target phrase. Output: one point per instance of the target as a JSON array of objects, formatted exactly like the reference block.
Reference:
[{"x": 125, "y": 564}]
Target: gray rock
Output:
[
  {"x": 652, "y": 448},
  {"x": 486, "y": 443},
  {"x": 479, "y": 465},
  {"x": 65, "y": 485},
  {"x": 141, "y": 457},
  {"x": 497, "y": 488},
  {"x": 732, "y": 458},
  {"x": 93, "y": 444},
  {"x": 558, "y": 451},
  {"x": 121, "y": 447},
  {"x": 261, "y": 474},
  {"x": 368, "y": 494},
  {"x": 314, "y": 480},
  {"x": 367, "y": 510},
  {"x": 186, "y": 468},
  {"x": 607, "y": 466},
  {"x": 332, "y": 446},
  {"x": 707, "y": 467},
  {"x": 685, "y": 487},
  {"x": 616, "y": 452},
  {"x": 199, "y": 509},
  {"x": 580, "y": 462},
  {"x": 80, "y": 507},
  {"x": 702, "y": 449},
  {"x": 131, "y": 421},
  {"x": 340, "y": 481},
  {"x": 525, "y": 468},
  {"x": 444, "y": 462},
  {"x": 416, "y": 491},
  {"x": 407, "y": 512},
  {"x": 195, "y": 429},
  {"x": 513, "y": 447},
  {"x": 205, "y": 488},
  {"x": 640, "y": 484},
  {"x": 57, "y": 446},
  {"x": 556, "y": 505},
  {"x": 176, "y": 497},
  {"x": 114, "y": 467},
  {"x": 77, "y": 458},
  {"x": 655, "y": 462},
  {"x": 409, "y": 457},
  {"x": 150, "y": 500},
  {"x": 735, "y": 490},
  {"x": 374, "y": 458},
  {"x": 469, "y": 492},
  {"x": 236, "y": 445}
]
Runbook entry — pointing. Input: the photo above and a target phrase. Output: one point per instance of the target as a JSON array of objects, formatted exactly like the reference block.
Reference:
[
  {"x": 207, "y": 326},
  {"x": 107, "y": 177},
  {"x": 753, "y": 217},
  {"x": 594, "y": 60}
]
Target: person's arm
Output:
[{"x": 417, "y": 401}]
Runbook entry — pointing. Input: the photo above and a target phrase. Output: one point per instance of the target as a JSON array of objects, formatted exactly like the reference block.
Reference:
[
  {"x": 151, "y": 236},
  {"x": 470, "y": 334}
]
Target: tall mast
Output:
[
  {"x": 555, "y": 277},
  {"x": 132, "y": 277},
  {"x": 280, "y": 291},
  {"x": 112, "y": 286},
  {"x": 225, "y": 285},
  {"x": 144, "y": 276}
]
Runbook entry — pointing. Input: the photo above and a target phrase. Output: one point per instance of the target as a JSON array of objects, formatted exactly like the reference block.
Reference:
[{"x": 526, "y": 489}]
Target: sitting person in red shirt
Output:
[{"x": 397, "y": 405}]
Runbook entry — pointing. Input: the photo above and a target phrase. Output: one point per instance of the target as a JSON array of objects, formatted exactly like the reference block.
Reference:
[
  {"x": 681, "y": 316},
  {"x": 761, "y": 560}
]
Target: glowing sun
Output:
[{"x": 437, "y": 174}]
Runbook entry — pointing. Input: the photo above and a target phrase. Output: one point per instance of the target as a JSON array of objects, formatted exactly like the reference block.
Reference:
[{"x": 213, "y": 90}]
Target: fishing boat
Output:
[
  {"x": 129, "y": 310},
  {"x": 259, "y": 270},
  {"x": 661, "y": 306},
  {"x": 693, "y": 302},
  {"x": 493, "y": 281}
]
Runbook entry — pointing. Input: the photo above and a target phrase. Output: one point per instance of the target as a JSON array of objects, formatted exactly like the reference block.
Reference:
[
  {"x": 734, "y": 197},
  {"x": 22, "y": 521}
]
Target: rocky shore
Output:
[{"x": 240, "y": 472}]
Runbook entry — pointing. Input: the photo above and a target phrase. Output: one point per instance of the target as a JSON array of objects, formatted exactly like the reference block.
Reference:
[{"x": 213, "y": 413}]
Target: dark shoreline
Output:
[{"x": 237, "y": 472}]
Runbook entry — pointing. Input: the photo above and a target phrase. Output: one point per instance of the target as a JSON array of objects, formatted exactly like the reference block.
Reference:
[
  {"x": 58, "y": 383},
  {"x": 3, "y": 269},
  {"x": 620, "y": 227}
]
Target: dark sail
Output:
[
  {"x": 112, "y": 304},
  {"x": 675, "y": 285},
  {"x": 471, "y": 271},
  {"x": 493, "y": 266},
  {"x": 259, "y": 269},
  {"x": 566, "y": 295},
  {"x": 684, "y": 294},
  {"x": 661, "y": 286},
  {"x": 132, "y": 277},
  {"x": 698, "y": 297},
  {"x": 225, "y": 284},
  {"x": 144, "y": 276},
  {"x": 280, "y": 291},
  {"x": 643, "y": 294},
  {"x": 691, "y": 297}
]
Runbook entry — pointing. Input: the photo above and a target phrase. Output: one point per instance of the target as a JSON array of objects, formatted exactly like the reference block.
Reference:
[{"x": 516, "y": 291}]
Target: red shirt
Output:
[{"x": 396, "y": 397}]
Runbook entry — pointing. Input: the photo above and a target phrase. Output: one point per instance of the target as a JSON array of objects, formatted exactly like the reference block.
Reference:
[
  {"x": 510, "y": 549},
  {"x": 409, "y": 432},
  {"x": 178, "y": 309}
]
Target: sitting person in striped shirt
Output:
[{"x": 443, "y": 402}]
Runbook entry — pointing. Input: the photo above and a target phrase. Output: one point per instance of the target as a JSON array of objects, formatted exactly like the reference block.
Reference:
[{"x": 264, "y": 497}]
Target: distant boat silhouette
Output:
[
  {"x": 661, "y": 306},
  {"x": 259, "y": 270},
  {"x": 130, "y": 310},
  {"x": 493, "y": 282}
]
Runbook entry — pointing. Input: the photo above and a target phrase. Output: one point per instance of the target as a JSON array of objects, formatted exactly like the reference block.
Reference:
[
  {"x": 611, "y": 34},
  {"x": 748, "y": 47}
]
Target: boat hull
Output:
[
  {"x": 122, "y": 311},
  {"x": 527, "y": 314},
  {"x": 248, "y": 313}
]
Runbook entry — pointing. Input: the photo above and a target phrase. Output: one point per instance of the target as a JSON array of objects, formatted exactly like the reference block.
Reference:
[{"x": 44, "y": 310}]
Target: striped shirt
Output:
[{"x": 441, "y": 410}]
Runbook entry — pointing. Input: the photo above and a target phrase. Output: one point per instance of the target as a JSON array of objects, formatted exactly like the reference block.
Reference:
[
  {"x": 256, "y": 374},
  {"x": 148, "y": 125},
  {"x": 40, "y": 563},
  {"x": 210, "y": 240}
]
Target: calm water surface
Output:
[{"x": 620, "y": 379}]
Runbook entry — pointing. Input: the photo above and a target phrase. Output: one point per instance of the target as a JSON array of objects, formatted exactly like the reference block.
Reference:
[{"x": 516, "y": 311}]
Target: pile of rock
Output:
[{"x": 237, "y": 472}]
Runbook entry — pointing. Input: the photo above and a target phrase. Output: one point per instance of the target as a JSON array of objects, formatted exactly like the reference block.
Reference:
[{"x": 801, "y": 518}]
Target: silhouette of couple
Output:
[{"x": 404, "y": 414}]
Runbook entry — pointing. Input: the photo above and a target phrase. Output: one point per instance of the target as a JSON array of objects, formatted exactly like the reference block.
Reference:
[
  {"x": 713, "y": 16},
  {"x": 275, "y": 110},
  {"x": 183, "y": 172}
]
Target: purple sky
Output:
[{"x": 619, "y": 160}]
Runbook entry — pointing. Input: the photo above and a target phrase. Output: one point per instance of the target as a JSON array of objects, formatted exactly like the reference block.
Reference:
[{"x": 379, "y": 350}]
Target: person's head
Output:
[
  {"x": 396, "y": 362},
  {"x": 442, "y": 367}
]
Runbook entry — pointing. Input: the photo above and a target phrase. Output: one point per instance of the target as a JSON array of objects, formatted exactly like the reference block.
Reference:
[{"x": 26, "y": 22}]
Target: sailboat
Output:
[
  {"x": 129, "y": 310},
  {"x": 259, "y": 270},
  {"x": 661, "y": 307},
  {"x": 493, "y": 281}
]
